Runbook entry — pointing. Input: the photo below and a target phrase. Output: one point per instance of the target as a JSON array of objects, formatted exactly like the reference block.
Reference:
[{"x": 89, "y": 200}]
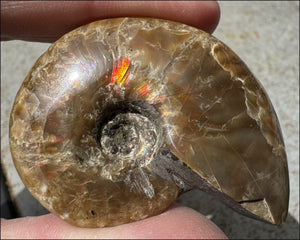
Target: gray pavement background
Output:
[{"x": 266, "y": 36}]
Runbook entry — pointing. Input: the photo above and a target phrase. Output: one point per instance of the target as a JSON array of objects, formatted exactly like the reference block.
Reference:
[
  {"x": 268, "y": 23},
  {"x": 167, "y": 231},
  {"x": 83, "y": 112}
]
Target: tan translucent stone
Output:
[{"x": 109, "y": 102}]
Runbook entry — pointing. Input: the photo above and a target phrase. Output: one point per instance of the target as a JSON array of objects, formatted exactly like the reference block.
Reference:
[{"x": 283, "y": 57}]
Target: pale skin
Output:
[{"x": 46, "y": 22}]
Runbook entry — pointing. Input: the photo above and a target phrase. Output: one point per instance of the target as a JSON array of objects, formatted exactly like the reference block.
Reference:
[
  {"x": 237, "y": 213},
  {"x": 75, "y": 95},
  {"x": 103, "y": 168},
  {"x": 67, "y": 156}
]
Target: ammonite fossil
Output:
[{"x": 120, "y": 116}]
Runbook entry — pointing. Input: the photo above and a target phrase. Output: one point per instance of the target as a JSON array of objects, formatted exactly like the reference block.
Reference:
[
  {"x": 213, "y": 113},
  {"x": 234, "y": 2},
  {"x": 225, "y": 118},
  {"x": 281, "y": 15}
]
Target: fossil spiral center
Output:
[
  {"x": 119, "y": 138},
  {"x": 130, "y": 138},
  {"x": 125, "y": 135}
]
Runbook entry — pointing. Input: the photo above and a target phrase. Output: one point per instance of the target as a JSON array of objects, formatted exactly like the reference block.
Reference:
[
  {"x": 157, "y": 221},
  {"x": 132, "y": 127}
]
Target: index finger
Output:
[{"x": 48, "y": 20}]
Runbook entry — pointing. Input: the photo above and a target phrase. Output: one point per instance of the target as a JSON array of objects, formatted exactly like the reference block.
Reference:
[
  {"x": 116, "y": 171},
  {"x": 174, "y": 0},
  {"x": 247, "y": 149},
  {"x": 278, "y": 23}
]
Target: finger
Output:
[
  {"x": 48, "y": 20},
  {"x": 177, "y": 222}
]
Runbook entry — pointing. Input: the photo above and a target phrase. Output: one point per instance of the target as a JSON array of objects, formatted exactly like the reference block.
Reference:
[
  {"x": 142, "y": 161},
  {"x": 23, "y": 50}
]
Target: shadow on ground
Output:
[{"x": 33, "y": 207}]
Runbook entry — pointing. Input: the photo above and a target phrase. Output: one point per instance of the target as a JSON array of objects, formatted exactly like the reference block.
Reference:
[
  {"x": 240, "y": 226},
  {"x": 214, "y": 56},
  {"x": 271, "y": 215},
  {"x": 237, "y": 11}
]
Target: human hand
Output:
[
  {"x": 47, "y": 22},
  {"x": 176, "y": 222}
]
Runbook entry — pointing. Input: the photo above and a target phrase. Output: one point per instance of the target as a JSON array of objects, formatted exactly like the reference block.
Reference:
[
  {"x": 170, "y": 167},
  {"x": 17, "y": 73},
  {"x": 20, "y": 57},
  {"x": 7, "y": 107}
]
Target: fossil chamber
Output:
[{"x": 120, "y": 116}]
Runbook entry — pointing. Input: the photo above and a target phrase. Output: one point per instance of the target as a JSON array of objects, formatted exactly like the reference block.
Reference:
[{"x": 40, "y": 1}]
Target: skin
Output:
[
  {"x": 177, "y": 222},
  {"x": 46, "y": 22}
]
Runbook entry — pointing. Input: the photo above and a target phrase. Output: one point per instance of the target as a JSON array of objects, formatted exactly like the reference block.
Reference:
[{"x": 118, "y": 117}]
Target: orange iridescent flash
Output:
[
  {"x": 120, "y": 71},
  {"x": 120, "y": 75},
  {"x": 143, "y": 90}
]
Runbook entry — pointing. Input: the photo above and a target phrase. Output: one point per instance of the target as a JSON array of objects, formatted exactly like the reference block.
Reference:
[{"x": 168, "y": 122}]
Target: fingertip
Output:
[
  {"x": 204, "y": 15},
  {"x": 177, "y": 222},
  {"x": 213, "y": 14}
]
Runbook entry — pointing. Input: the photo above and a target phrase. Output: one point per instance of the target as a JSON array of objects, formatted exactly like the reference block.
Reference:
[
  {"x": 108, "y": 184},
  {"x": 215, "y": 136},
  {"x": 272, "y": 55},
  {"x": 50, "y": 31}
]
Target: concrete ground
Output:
[{"x": 266, "y": 36}]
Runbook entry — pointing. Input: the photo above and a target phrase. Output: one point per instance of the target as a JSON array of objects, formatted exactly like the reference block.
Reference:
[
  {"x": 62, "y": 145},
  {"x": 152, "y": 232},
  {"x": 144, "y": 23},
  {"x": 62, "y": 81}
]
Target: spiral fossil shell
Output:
[{"x": 121, "y": 115}]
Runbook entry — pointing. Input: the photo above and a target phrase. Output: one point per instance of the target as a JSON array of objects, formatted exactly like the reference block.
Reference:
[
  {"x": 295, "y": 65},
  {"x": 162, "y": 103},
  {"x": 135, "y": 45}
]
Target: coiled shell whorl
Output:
[{"x": 121, "y": 115}]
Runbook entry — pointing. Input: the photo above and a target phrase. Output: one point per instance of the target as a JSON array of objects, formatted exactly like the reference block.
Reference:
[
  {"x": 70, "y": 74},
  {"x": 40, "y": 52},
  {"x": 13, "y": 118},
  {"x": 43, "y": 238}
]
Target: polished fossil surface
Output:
[{"x": 107, "y": 111}]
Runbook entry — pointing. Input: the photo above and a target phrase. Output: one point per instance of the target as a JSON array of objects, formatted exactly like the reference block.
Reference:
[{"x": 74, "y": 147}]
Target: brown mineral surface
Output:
[{"x": 110, "y": 98}]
